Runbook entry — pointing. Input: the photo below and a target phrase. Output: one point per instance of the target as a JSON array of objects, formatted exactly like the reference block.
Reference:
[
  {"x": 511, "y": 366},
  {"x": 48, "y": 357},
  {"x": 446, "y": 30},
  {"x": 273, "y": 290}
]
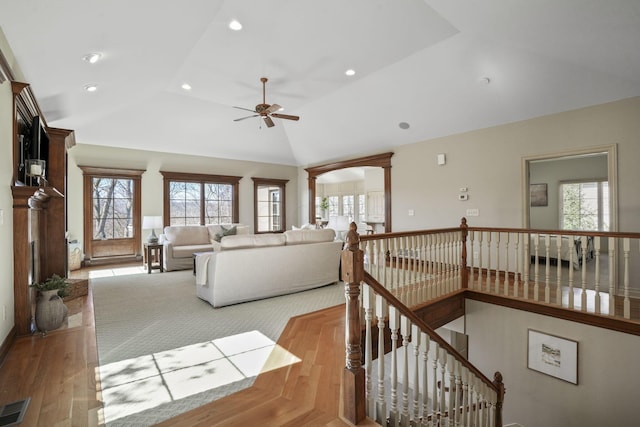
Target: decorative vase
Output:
[{"x": 50, "y": 311}]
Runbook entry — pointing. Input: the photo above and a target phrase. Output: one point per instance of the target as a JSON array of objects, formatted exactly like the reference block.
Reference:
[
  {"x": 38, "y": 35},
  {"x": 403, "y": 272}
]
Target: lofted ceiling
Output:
[{"x": 440, "y": 66}]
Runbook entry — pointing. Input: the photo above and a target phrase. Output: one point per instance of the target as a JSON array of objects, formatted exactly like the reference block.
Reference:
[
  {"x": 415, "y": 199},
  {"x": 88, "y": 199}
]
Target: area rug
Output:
[{"x": 163, "y": 351}]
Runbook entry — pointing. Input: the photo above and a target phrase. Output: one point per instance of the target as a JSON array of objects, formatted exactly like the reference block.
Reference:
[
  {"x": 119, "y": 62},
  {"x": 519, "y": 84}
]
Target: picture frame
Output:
[
  {"x": 538, "y": 195},
  {"x": 552, "y": 355}
]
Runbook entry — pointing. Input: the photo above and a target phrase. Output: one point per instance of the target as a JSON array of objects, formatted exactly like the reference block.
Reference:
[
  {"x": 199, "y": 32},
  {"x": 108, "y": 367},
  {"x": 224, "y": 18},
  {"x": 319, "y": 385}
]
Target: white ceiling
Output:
[{"x": 416, "y": 61}]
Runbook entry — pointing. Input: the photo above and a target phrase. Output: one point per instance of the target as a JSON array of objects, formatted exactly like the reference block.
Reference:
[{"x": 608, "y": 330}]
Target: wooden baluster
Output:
[
  {"x": 559, "y": 272},
  {"x": 536, "y": 266},
  {"x": 435, "y": 415},
  {"x": 353, "y": 377},
  {"x": 626, "y": 248},
  {"x": 506, "y": 266},
  {"x": 452, "y": 389},
  {"x": 368, "y": 304},
  {"x": 497, "y": 281},
  {"x": 596, "y": 247},
  {"x": 394, "y": 326},
  {"x": 481, "y": 233},
  {"x": 612, "y": 289},
  {"x": 547, "y": 271},
  {"x": 439, "y": 287},
  {"x": 472, "y": 265},
  {"x": 442, "y": 361},
  {"x": 405, "y": 330},
  {"x": 488, "y": 289},
  {"x": 517, "y": 272},
  {"x": 428, "y": 267},
  {"x": 526, "y": 263},
  {"x": 415, "y": 344},
  {"x": 465, "y": 408},
  {"x": 583, "y": 294},
  {"x": 424, "y": 266},
  {"x": 381, "y": 403},
  {"x": 476, "y": 403},
  {"x": 424, "y": 351},
  {"x": 571, "y": 296}
]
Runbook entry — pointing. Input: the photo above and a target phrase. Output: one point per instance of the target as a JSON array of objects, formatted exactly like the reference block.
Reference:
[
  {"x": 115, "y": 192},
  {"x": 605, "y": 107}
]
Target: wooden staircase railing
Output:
[
  {"x": 464, "y": 395},
  {"x": 591, "y": 274}
]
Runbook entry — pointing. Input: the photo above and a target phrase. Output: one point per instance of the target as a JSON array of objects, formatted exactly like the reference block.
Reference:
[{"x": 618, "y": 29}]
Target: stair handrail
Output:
[{"x": 353, "y": 274}]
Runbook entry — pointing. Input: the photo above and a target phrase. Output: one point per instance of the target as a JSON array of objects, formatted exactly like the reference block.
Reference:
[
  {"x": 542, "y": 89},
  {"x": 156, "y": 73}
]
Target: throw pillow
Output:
[{"x": 224, "y": 232}]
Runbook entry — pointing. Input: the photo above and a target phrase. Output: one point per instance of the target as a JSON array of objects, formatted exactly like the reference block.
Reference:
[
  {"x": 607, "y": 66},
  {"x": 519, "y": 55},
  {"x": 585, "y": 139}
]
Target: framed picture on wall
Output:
[
  {"x": 538, "y": 194},
  {"x": 552, "y": 355}
]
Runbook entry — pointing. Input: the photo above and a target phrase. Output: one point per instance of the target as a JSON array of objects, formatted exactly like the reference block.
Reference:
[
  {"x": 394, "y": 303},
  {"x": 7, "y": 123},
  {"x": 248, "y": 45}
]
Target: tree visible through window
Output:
[
  {"x": 195, "y": 199},
  {"x": 584, "y": 206},
  {"x": 112, "y": 204}
]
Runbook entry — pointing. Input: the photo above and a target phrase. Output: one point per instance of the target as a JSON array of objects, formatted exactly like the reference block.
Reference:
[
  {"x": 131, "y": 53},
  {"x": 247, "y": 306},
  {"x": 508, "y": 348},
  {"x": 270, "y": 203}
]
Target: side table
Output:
[{"x": 154, "y": 254}]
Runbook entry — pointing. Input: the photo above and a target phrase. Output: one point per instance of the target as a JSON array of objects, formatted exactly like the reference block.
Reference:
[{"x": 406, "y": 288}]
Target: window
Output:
[
  {"x": 112, "y": 208},
  {"x": 584, "y": 206},
  {"x": 334, "y": 205},
  {"x": 347, "y": 207},
  {"x": 362, "y": 208},
  {"x": 112, "y": 213},
  {"x": 269, "y": 205},
  {"x": 198, "y": 199}
]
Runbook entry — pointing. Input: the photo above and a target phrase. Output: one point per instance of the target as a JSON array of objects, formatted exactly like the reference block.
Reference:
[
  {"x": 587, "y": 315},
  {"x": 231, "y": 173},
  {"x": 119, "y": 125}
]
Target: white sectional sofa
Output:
[
  {"x": 251, "y": 267},
  {"x": 181, "y": 241}
]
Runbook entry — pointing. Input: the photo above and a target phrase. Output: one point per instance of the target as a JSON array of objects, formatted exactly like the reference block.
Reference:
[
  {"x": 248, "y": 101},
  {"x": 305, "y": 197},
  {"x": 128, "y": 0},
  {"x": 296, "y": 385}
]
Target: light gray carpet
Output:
[{"x": 144, "y": 320}]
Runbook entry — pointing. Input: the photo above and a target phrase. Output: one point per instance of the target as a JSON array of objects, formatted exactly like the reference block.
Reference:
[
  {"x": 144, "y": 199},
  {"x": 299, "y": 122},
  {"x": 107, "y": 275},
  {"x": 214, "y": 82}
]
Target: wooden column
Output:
[
  {"x": 497, "y": 381},
  {"x": 21, "y": 260},
  {"x": 354, "y": 375}
]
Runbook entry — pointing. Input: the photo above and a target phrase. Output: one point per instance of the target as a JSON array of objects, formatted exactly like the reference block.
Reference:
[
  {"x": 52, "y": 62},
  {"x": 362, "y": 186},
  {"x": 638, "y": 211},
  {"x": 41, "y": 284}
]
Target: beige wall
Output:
[
  {"x": 488, "y": 163},
  {"x": 153, "y": 163},
  {"x": 605, "y": 392},
  {"x": 6, "y": 199}
]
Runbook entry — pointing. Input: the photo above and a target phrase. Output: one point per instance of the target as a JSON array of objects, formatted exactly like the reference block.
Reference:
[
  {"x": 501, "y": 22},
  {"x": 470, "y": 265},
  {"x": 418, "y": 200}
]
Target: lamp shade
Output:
[{"x": 151, "y": 222}]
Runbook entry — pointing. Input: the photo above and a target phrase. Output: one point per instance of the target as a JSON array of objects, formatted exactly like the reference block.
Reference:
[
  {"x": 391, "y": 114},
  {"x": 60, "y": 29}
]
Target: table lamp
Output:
[{"x": 151, "y": 223}]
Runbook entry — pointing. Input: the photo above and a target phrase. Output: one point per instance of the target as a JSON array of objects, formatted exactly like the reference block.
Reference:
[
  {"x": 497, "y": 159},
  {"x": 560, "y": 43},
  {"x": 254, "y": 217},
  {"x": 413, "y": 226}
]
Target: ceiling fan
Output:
[{"x": 265, "y": 110}]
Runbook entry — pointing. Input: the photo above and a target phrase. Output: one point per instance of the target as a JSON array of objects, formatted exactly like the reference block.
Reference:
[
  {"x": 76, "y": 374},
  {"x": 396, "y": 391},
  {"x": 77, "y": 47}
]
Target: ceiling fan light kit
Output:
[{"x": 266, "y": 111}]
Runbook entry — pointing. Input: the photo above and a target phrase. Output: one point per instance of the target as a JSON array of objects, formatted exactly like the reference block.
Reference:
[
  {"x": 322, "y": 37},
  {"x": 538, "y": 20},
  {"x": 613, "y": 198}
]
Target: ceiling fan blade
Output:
[
  {"x": 285, "y": 116},
  {"x": 273, "y": 108},
  {"x": 268, "y": 121},
  {"x": 246, "y": 109},
  {"x": 243, "y": 118}
]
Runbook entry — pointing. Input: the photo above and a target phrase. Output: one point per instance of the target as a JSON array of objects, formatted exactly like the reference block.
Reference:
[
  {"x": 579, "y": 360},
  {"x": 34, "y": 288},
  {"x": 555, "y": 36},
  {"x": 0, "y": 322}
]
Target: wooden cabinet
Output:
[{"x": 39, "y": 211}]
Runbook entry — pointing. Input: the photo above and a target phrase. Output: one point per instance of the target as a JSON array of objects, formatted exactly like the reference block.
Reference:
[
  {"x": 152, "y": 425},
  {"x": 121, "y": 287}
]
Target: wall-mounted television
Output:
[{"x": 39, "y": 147}]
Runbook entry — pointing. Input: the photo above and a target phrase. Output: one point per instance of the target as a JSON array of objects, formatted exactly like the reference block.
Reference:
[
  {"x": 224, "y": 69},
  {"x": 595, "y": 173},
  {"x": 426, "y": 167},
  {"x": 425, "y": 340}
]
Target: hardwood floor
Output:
[{"x": 58, "y": 373}]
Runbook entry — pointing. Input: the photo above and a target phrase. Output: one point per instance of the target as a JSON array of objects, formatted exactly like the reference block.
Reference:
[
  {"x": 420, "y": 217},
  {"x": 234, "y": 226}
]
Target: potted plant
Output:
[
  {"x": 324, "y": 205},
  {"x": 50, "y": 310}
]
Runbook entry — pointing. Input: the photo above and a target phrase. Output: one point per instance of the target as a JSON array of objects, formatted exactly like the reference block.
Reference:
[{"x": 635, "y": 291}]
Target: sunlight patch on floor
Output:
[
  {"x": 122, "y": 271},
  {"x": 134, "y": 385}
]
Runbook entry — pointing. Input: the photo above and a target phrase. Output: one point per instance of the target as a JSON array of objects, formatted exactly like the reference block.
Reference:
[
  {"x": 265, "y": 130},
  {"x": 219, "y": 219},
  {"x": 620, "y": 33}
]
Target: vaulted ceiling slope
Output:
[{"x": 440, "y": 66}]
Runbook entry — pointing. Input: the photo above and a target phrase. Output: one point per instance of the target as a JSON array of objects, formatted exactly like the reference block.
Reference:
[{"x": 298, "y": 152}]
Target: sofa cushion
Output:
[
  {"x": 251, "y": 241},
  {"x": 224, "y": 231},
  {"x": 298, "y": 237},
  {"x": 180, "y": 235}
]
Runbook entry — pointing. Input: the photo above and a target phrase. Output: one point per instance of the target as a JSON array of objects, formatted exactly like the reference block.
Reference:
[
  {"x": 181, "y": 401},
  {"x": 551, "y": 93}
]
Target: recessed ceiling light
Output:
[
  {"x": 186, "y": 86},
  {"x": 350, "y": 72},
  {"x": 235, "y": 25},
  {"x": 92, "y": 58},
  {"x": 91, "y": 87}
]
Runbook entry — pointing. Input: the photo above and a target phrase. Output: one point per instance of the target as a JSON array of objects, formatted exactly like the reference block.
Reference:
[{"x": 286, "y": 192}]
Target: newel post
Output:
[
  {"x": 353, "y": 375},
  {"x": 497, "y": 381},
  {"x": 463, "y": 258}
]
